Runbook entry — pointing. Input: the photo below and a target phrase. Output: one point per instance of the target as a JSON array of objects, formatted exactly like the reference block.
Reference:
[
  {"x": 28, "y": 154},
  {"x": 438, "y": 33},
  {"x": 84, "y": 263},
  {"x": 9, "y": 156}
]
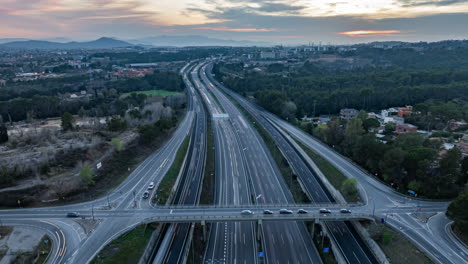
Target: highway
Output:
[
  {"x": 282, "y": 242},
  {"x": 348, "y": 240},
  {"x": 228, "y": 242},
  {"x": 189, "y": 182}
]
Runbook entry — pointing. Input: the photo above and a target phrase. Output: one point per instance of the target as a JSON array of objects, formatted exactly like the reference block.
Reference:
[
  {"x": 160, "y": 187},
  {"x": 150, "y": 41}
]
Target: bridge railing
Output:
[
  {"x": 237, "y": 218},
  {"x": 266, "y": 206}
]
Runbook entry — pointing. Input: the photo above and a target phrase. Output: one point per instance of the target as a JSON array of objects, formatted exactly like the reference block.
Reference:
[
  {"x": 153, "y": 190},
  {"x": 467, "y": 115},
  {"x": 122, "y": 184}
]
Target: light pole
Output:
[{"x": 92, "y": 211}]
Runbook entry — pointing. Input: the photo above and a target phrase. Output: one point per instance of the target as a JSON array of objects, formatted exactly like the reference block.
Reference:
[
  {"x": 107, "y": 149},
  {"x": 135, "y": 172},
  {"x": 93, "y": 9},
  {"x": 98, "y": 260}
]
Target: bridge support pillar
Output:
[
  {"x": 203, "y": 224},
  {"x": 312, "y": 230},
  {"x": 259, "y": 227}
]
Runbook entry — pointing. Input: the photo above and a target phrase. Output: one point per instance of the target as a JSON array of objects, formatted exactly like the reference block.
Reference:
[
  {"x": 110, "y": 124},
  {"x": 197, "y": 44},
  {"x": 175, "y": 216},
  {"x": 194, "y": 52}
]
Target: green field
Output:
[
  {"x": 127, "y": 248},
  {"x": 151, "y": 93}
]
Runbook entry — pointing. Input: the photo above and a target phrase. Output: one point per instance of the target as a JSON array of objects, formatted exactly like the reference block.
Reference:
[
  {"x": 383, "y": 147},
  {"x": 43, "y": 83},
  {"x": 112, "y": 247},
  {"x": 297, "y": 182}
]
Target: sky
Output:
[{"x": 287, "y": 22}]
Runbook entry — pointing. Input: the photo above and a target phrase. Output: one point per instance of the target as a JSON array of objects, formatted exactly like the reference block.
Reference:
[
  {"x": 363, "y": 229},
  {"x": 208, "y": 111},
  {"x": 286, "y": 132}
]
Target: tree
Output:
[
  {"x": 349, "y": 187},
  {"x": 450, "y": 165},
  {"x": 86, "y": 175},
  {"x": 67, "y": 121},
  {"x": 391, "y": 165},
  {"x": 117, "y": 144},
  {"x": 458, "y": 208},
  {"x": 3, "y": 133},
  {"x": 117, "y": 124},
  {"x": 370, "y": 123}
]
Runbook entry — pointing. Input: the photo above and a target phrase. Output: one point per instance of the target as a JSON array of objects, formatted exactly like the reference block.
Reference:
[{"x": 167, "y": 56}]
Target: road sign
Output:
[
  {"x": 261, "y": 254},
  {"x": 326, "y": 250}
]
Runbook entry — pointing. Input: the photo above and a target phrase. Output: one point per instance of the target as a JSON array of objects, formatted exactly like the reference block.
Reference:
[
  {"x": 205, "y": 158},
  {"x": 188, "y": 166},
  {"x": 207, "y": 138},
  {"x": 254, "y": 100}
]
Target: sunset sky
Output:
[{"x": 277, "y": 21}]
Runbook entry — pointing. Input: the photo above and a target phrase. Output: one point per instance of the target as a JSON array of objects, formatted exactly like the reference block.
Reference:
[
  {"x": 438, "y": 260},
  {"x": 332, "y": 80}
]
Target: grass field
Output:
[
  {"x": 151, "y": 93},
  {"x": 334, "y": 176},
  {"x": 127, "y": 248}
]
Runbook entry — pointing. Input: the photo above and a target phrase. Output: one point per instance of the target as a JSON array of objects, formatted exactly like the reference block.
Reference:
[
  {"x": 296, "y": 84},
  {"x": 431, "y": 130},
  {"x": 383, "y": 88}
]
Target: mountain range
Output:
[
  {"x": 101, "y": 43},
  {"x": 108, "y": 43}
]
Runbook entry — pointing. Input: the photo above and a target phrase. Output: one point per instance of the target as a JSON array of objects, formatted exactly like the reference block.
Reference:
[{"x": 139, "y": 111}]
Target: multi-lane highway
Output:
[
  {"x": 189, "y": 182},
  {"x": 228, "y": 242},
  {"x": 281, "y": 242}
]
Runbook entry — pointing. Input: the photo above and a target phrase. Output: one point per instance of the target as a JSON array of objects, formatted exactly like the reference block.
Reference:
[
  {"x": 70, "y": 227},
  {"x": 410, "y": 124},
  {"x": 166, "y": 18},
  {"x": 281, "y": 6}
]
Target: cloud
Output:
[
  {"x": 370, "y": 33},
  {"x": 416, "y": 3},
  {"x": 236, "y": 29}
]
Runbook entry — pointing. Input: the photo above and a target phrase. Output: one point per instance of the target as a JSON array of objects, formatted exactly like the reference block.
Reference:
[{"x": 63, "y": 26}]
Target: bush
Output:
[
  {"x": 349, "y": 187},
  {"x": 117, "y": 144},
  {"x": 117, "y": 124},
  {"x": 86, "y": 175}
]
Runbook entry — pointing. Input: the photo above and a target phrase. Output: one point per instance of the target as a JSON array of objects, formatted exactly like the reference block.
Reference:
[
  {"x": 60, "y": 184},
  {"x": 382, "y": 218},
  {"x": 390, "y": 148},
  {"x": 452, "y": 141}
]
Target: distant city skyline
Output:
[{"x": 273, "y": 21}]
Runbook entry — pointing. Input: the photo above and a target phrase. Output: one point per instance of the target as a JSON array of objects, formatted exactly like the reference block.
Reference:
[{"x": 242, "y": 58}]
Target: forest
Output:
[{"x": 105, "y": 100}]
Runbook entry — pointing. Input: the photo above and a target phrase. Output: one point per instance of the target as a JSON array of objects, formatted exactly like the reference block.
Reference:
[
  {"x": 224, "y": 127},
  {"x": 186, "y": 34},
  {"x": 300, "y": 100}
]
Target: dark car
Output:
[
  {"x": 325, "y": 211},
  {"x": 269, "y": 212},
  {"x": 345, "y": 211},
  {"x": 285, "y": 211},
  {"x": 145, "y": 195},
  {"x": 302, "y": 211},
  {"x": 73, "y": 214}
]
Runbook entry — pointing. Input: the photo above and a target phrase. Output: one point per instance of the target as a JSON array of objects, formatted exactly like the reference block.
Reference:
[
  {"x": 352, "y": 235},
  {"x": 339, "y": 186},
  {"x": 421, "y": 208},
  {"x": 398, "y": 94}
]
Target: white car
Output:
[
  {"x": 151, "y": 186},
  {"x": 246, "y": 212}
]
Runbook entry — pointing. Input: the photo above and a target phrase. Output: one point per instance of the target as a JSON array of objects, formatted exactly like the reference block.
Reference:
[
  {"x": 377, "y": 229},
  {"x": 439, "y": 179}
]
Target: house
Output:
[
  {"x": 394, "y": 119},
  {"x": 405, "y": 111},
  {"x": 348, "y": 113},
  {"x": 454, "y": 125},
  {"x": 463, "y": 145},
  {"x": 405, "y": 128},
  {"x": 372, "y": 115}
]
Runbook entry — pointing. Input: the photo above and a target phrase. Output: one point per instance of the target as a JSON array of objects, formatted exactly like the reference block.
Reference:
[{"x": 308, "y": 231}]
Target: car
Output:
[
  {"x": 73, "y": 214},
  {"x": 302, "y": 211},
  {"x": 146, "y": 195},
  {"x": 345, "y": 211},
  {"x": 246, "y": 212},
  {"x": 324, "y": 211},
  {"x": 267, "y": 212},
  {"x": 151, "y": 186},
  {"x": 285, "y": 211}
]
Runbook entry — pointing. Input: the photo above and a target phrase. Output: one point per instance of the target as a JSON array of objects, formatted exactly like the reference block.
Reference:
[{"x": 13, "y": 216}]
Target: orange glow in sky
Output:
[
  {"x": 370, "y": 33},
  {"x": 236, "y": 29}
]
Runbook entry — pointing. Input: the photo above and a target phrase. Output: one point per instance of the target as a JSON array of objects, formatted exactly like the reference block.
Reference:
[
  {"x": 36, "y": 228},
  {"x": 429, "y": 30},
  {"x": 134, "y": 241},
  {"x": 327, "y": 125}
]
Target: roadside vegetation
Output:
[
  {"x": 128, "y": 248},
  {"x": 167, "y": 183},
  {"x": 151, "y": 93},
  {"x": 208, "y": 185},
  {"x": 347, "y": 187},
  {"x": 458, "y": 211}
]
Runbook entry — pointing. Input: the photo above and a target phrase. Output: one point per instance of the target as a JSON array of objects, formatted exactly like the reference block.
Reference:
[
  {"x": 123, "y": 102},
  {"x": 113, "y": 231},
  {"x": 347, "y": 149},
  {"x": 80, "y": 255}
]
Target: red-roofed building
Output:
[
  {"x": 405, "y": 111},
  {"x": 405, "y": 128}
]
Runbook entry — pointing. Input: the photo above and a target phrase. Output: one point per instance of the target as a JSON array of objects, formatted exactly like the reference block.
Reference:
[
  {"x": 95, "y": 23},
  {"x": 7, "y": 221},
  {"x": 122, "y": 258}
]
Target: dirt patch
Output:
[
  {"x": 423, "y": 217},
  {"x": 88, "y": 225}
]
